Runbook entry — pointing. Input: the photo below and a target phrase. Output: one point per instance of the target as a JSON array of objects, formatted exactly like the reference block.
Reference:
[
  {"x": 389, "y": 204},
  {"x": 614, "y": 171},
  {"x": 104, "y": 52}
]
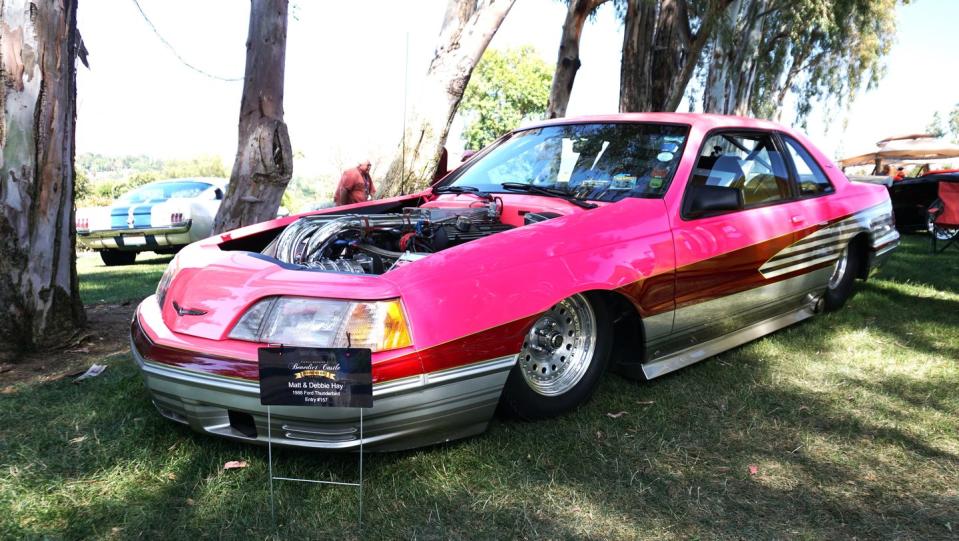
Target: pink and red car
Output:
[{"x": 640, "y": 243}]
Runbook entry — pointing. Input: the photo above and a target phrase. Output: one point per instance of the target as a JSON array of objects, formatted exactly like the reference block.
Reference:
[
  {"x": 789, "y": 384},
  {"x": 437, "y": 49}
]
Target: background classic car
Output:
[
  {"x": 639, "y": 242},
  {"x": 161, "y": 216},
  {"x": 912, "y": 197}
]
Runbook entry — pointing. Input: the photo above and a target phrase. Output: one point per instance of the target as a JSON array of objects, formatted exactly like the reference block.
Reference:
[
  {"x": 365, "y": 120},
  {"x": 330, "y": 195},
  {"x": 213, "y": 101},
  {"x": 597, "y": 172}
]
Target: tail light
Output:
[
  {"x": 176, "y": 217},
  {"x": 83, "y": 223}
]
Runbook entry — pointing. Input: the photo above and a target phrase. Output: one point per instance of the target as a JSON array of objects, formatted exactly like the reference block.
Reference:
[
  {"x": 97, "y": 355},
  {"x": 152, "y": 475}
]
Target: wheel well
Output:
[
  {"x": 627, "y": 348},
  {"x": 860, "y": 244}
]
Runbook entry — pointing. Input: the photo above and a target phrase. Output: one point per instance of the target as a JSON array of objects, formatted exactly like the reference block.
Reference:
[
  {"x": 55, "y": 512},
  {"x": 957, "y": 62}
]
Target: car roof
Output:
[
  {"x": 703, "y": 120},
  {"x": 214, "y": 181}
]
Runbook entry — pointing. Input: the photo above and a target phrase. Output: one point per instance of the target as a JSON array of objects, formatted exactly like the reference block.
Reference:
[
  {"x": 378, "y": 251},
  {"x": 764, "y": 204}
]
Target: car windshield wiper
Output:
[
  {"x": 551, "y": 192},
  {"x": 471, "y": 190}
]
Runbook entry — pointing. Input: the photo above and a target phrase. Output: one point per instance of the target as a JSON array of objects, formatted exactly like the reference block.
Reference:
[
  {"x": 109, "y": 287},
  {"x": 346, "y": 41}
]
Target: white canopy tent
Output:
[{"x": 911, "y": 148}]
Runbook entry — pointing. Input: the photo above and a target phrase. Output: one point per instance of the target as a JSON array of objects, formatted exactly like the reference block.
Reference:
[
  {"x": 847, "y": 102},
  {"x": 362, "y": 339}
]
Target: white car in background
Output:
[{"x": 161, "y": 217}]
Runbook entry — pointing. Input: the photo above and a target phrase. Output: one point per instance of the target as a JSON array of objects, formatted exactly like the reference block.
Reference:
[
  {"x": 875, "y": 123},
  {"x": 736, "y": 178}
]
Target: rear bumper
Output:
[
  {"x": 881, "y": 249},
  {"x": 406, "y": 413},
  {"x": 142, "y": 239}
]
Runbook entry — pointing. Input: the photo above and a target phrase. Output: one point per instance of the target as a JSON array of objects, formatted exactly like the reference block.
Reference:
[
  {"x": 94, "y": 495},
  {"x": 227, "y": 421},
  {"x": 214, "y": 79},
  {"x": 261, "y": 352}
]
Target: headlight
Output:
[
  {"x": 165, "y": 280},
  {"x": 310, "y": 322}
]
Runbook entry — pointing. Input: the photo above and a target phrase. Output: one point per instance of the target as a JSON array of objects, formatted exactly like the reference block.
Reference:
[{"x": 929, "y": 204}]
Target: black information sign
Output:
[{"x": 331, "y": 377}]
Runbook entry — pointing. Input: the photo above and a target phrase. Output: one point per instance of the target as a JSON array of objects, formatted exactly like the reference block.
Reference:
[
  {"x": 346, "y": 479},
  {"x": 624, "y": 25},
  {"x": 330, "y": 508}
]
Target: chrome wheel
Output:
[
  {"x": 839, "y": 270},
  {"x": 559, "y": 348}
]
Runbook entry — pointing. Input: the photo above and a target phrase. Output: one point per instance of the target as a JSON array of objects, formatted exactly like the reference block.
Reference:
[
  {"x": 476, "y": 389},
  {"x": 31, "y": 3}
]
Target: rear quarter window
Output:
[{"x": 810, "y": 177}]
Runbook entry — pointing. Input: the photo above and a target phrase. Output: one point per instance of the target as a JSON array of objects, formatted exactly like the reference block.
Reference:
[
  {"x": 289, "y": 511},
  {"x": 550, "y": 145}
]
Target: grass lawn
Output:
[
  {"x": 102, "y": 284},
  {"x": 844, "y": 426}
]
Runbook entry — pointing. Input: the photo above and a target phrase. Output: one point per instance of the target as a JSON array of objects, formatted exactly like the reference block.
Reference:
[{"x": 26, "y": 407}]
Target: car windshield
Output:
[
  {"x": 601, "y": 162},
  {"x": 164, "y": 190}
]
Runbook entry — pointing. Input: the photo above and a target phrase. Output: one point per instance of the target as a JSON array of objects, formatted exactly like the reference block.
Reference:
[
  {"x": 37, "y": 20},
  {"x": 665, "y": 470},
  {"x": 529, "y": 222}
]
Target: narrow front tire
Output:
[
  {"x": 564, "y": 354},
  {"x": 113, "y": 258}
]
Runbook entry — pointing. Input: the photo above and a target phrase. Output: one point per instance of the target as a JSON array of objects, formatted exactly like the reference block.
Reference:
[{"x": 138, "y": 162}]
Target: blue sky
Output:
[{"x": 347, "y": 61}]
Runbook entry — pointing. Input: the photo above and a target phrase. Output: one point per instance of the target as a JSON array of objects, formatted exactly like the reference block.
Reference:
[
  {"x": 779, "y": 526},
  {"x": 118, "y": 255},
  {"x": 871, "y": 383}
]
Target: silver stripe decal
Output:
[{"x": 823, "y": 245}]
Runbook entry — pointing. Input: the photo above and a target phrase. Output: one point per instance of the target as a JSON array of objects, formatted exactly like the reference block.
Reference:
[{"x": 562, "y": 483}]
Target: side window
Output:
[
  {"x": 749, "y": 162},
  {"x": 812, "y": 179}
]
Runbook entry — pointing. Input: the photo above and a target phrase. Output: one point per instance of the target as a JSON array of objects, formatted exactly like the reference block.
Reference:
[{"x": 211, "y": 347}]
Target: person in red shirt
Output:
[
  {"x": 355, "y": 185},
  {"x": 900, "y": 174}
]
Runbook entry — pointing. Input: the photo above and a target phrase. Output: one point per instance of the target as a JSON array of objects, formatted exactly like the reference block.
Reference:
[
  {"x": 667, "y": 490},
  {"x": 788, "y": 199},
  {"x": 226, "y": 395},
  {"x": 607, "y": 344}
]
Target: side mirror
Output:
[
  {"x": 467, "y": 154},
  {"x": 708, "y": 199},
  {"x": 219, "y": 194}
]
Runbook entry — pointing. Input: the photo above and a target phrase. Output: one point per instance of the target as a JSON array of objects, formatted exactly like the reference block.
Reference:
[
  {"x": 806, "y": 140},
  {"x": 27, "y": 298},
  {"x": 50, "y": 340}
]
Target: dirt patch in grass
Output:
[{"x": 106, "y": 335}]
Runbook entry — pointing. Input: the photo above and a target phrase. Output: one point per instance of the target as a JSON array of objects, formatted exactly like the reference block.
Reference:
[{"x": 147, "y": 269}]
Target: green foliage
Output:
[
  {"x": 82, "y": 188},
  {"x": 948, "y": 129},
  {"x": 507, "y": 88},
  {"x": 936, "y": 126},
  {"x": 201, "y": 166},
  {"x": 954, "y": 122},
  {"x": 820, "y": 50},
  {"x": 97, "y": 164}
]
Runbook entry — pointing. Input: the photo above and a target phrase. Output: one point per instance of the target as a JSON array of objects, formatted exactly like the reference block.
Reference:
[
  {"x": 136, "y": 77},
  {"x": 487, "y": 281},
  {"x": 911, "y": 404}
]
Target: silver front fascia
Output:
[{"x": 408, "y": 412}]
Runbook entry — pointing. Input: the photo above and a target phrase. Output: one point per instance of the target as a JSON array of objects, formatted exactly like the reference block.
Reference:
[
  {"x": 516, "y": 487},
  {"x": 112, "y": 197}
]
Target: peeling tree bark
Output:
[
  {"x": 634, "y": 84},
  {"x": 567, "y": 64},
  {"x": 734, "y": 62},
  {"x": 660, "y": 52},
  {"x": 468, "y": 27},
  {"x": 39, "y": 297},
  {"x": 264, "y": 156}
]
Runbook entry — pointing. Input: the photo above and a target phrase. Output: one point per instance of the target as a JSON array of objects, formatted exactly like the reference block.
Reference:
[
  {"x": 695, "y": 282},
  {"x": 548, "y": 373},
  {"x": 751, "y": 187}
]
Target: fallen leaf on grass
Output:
[
  {"x": 92, "y": 372},
  {"x": 616, "y": 415},
  {"x": 234, "y": 465},
  {"x": 171, "y": 476},
  {"x": 753, "y": 469},
  {"x": 78, "y": 439},
  {"x": 646, "y": 402},
  {"x": 190, "y": 502}
]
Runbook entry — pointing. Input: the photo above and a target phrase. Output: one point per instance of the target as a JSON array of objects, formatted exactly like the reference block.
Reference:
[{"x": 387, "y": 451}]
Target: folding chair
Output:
[{"x": 944, "y": 216}]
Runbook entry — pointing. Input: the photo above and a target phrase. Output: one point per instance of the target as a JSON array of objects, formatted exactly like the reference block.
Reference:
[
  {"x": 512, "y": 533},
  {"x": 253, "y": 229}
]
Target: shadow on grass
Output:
[{"x": 859, "y": 443}]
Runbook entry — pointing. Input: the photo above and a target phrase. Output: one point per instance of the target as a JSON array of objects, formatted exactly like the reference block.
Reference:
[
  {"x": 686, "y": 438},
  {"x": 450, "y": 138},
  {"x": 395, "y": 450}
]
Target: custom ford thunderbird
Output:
[
  {"x": 639, "y": 243},
  {"x": 161, "y": 216}
]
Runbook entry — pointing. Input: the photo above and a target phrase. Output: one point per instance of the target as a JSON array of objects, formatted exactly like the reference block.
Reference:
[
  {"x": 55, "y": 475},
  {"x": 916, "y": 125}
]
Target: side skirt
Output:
[{"x": 694, "y": 354}]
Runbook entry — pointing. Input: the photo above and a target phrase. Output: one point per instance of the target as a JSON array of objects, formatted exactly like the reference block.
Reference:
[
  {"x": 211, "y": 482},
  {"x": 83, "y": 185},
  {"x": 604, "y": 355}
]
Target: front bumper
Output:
[
  {"x": 136, "y": 239},
  {"x": 406, "y": 413}
]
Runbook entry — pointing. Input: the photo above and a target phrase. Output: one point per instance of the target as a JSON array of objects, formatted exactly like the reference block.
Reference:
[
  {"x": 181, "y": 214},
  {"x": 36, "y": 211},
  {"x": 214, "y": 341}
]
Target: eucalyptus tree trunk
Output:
[
  {"x": 264, "y": 157},
  {"x": 660, "y": 52},
  {"x": 568, "y": 62},
  {"x": 39, "y": 298},
  {"x": 634, "y": 85},
  {"x": 733, "y": 65},
  {"x": 468, "y": 27}
]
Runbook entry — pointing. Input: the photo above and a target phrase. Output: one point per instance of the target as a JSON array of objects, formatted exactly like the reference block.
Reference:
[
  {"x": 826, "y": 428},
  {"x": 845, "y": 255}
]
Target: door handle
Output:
[{"x": 798, "y": 219}]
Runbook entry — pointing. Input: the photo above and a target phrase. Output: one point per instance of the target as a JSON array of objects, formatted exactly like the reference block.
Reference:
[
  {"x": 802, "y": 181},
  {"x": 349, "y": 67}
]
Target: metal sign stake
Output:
[{"x": 361, "y": 403}]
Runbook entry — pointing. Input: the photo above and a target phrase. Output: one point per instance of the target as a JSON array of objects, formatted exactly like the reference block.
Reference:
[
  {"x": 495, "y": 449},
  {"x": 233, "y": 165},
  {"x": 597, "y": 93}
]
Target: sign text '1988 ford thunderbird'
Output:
[{"x": 641, "y": 243}]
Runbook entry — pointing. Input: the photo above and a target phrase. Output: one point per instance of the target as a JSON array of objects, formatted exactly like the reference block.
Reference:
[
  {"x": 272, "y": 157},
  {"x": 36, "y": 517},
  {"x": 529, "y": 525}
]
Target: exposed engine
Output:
[{"x": 375, "y": 244}]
